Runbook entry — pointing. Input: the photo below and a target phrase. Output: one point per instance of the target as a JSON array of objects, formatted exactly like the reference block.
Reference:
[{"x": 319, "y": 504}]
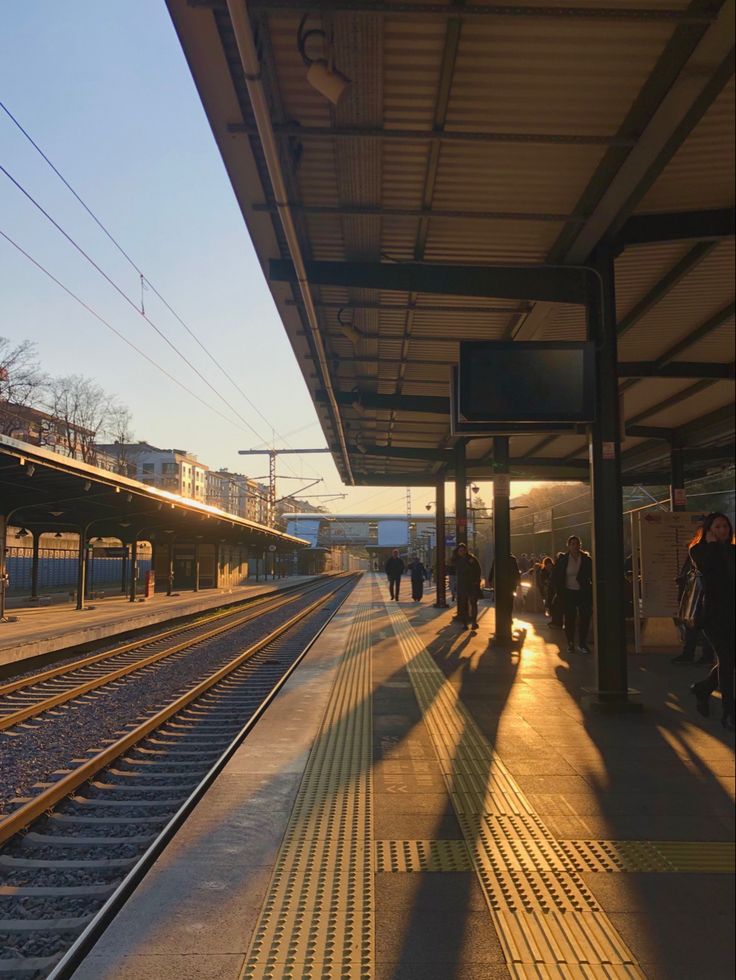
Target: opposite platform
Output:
[
  {"x": 414, "y": 804},
  {"x": 37, "y": 630}
]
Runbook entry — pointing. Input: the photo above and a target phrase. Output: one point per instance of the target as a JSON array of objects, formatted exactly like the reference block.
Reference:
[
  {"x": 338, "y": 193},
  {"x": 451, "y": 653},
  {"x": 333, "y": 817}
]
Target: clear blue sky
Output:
[{"x": 104, "y": 88}]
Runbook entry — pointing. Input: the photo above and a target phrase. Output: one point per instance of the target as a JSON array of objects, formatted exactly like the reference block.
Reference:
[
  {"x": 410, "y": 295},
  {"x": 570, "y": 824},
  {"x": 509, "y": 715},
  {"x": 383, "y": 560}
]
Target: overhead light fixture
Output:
[
  {"x": 58, "y": 535},
  {"x": 128, "y": 497},
  {"x": 56, "y": 513},
  {"x": 475, "y": 488},
  {"x": 87, "y": 486},
  {"x": 22, "y": 533},
  {"x": 348, "y": 329},
  {"x": 321, "y": 72},
  {"x": 30, "y": 469}
]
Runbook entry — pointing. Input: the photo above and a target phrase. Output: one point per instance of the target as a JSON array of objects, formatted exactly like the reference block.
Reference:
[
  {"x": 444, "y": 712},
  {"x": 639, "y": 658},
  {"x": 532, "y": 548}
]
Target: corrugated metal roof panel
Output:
[
  {"x": 718, "y": 395},
  {"x": 639, "y": 269},
  {"x": 700, "y": 175},
  {"x": 694, "y": 300}
]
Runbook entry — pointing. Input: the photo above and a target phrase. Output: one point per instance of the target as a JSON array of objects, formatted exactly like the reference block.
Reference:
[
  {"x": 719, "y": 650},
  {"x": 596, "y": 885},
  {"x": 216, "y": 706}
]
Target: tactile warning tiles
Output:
[
  {"x": 716, "y": 857},
  {"x": 422, "y": 855},
  {"x": 545, "y": 916},
  {"x": 317, "y": 919}
]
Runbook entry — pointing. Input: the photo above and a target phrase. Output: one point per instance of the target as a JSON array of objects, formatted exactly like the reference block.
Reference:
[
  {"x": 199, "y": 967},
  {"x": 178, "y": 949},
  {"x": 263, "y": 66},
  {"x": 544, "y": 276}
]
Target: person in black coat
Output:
[
  {"x": 572, "y": 577},
  {"x": 394, "y": 571},
  {"x": 418, "y": 575},
  {"x": 691, "y": 637},
  {"x": 467, "y": 577},
  {"x": 713, "y": 553}
]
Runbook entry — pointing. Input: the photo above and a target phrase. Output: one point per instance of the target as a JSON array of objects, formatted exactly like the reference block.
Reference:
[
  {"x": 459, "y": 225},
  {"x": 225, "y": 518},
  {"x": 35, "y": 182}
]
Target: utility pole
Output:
[{"x": 272, "y": 454}]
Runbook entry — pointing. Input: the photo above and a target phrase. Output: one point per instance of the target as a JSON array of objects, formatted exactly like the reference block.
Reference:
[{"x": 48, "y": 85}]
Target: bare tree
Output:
[
  {"x": 21, "y": 383},
  {"x": 118, "y": 428},
  {"x": 81, "y": 410}
]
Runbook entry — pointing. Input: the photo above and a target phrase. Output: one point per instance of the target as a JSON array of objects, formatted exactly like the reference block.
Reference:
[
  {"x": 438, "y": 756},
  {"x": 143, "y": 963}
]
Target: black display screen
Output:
[{"x": 526, "y": 381}]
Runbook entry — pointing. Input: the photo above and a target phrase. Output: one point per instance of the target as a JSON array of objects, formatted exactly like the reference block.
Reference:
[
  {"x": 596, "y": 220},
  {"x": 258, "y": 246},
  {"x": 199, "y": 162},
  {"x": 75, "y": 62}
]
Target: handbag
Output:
[{"x": 691, "y": 612}]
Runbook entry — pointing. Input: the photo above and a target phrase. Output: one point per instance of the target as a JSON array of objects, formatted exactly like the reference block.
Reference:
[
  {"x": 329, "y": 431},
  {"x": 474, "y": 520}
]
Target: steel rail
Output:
[
  {"x": 39, "y": 707},
  {"x": 49, "y": 797},
  {"x": 94, "y": 658},
  {"x": 71, "y": 960}
]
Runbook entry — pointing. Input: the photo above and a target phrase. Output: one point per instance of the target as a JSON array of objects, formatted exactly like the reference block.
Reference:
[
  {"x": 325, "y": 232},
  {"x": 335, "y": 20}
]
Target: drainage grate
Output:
[
  {"x": 317, "y": 918},
  {"x": 548, "y": 922},
  {"x": 422, "y": 855}
]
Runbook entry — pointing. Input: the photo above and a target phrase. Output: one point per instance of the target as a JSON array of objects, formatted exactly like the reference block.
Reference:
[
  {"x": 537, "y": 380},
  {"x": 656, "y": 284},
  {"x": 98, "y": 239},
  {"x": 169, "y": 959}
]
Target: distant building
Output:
[
  {"x": 237, "y": 494},
  {"x": 174, "y": 470},
  {"x": 29, "y": 424}
]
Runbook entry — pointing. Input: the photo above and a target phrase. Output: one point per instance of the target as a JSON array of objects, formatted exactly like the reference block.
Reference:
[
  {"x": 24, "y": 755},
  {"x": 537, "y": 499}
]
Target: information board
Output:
[
  {"x": 663, "y": 542},
  {"x": 393, "y": 533}
]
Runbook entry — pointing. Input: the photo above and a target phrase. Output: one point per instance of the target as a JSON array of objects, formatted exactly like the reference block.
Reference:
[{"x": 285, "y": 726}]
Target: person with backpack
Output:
[{"x": 713, "y": 554}]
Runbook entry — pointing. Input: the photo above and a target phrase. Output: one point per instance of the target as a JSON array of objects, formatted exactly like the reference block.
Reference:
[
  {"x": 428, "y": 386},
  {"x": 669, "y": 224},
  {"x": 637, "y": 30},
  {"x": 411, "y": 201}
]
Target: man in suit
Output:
[
  {"x": 394, "y": 571},
  {"x": 573, "y": 581}
]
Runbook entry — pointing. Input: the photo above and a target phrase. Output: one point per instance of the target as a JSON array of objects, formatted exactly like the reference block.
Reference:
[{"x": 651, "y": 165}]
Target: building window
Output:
[{"x": 148, "y": 469}]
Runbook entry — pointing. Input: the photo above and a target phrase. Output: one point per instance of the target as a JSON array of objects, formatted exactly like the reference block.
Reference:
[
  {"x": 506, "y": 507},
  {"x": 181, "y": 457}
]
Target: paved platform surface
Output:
[
  {"x": 415, "y": 805},
  {"x": 36, "y": 630}
]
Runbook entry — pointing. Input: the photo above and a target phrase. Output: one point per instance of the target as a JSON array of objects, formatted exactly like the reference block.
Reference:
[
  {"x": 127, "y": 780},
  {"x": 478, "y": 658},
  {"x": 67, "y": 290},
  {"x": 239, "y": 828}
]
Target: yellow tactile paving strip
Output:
[
  {"x": 548, "y": 922},
  {"x": 317, "y": 919}
]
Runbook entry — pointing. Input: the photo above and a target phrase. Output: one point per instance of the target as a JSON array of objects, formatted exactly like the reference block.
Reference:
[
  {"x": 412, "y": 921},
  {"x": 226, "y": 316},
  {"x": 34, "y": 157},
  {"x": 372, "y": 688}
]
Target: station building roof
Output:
[
  {"x": 44, "y": 490},
  {"x": 474, "y": 136}
]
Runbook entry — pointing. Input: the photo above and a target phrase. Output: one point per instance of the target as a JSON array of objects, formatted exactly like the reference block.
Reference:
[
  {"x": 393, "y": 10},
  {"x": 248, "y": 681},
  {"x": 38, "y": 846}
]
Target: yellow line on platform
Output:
[{"x": 317, "y": 919}]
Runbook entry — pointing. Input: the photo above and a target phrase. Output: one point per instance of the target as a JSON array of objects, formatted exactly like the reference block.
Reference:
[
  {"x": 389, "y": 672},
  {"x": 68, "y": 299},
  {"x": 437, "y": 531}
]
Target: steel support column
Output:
[
  {"x": 34, "y": 564},
  {"x": 504, "y": 586},
  {"x": 439, "y": 525},
  {"x": 134, "y": 567},
  {"x": 3, "y": 567},
  {"x": 170, "y": 576},
  {"x": 605, "y": 479},
  {"x": 461, "y": 504},
  {"x": 196, "y": 566},
  {"x": 677, "y": 479},
  {"x": 124, "y": 568},
  {"x": 81, "y": 567}
]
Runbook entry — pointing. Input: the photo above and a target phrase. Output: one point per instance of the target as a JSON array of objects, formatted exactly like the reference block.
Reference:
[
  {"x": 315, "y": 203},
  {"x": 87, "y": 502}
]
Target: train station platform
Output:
[
  {"x": 415, "y": 804},
  {"x": 33, "y": 631}
]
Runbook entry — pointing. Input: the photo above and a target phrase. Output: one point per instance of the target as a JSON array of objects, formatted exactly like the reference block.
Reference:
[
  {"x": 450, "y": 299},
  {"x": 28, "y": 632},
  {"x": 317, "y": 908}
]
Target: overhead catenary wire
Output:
[
  {"x": 146, "y": 283},
  {"x": 127, "y": 298},
  {"x": 117, "y": 332}
]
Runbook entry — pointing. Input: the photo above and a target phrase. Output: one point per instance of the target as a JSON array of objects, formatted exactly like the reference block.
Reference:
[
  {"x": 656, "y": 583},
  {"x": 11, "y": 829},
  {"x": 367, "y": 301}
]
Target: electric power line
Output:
[
  {"x": 125, "y": 296},
  {"x": 117, "y": 332},
  {"x": 144, "y": 279}
]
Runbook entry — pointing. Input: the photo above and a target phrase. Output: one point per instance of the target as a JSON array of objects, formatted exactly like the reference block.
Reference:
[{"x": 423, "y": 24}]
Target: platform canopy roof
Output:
[
  {"x": 45, "y": 491},
  {"x": 473, "y": 136}
]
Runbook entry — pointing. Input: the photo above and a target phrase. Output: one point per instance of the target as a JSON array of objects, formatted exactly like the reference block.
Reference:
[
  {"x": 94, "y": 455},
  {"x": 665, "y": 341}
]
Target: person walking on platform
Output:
[
  {"x": 573, "y": 581},
  {"x": 713, "y": 553},
  {"x": 418, "y": 575},
  {"x": 467, "y": 582},
  {"x": 691, "y": 637},
  {"x": 513, "y": 578},
  {"x": 394, "y": 571}
]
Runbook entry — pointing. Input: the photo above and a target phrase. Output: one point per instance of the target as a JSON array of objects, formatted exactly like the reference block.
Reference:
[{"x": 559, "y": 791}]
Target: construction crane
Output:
[{"x": 272, "y": 454}]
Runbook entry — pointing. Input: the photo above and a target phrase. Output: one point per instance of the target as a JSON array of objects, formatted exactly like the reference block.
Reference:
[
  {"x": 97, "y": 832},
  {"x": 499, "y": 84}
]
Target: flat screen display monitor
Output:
[{"x": 526, "y": 382}]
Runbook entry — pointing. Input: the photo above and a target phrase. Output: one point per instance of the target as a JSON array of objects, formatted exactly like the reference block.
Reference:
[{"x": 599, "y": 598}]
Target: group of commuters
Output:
[{"x": 566, "y": 587}]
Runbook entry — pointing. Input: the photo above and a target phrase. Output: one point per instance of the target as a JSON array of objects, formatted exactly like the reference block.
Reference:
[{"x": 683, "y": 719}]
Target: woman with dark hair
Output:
[{"x": 713, "y": 553}]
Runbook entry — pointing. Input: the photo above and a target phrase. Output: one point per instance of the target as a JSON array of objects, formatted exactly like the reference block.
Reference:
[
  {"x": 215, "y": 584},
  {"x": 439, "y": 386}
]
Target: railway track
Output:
[
  {"x": 70, "y": 855},
  {"x": 27, "y": 697}
]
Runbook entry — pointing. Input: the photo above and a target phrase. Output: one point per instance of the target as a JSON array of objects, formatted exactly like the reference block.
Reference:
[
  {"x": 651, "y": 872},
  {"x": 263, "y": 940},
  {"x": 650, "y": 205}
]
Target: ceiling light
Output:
[
  {"x": 58, "y": 535},
  {"x": 30, "y": 469},
  {"x": 56, "y": 513},
  {"x": 22, "y": 533},
  {"x": 321, "y": 72},
  {"x": 87, "y": 485}
]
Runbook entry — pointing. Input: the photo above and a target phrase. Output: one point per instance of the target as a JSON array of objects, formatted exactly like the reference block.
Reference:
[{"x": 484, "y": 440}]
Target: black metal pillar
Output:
[
  {"x": 678, "y": 499},
  {"x": 503, "y": 584},
  {"x": 134, "y": 568},
  {"x": 196, "y": 566},
  {"x": 461, "y": 504},
  {"x": 34, "y": 564},
  {"x": 170, "y": 576},
  {"x": 81, "y": 567},
  {"x": 439, "y": 531},
  {"x": 87, "y": 577},
  {"x": 605, "y": 478},
  {"x": 3, "y": 567},
  {"x": 124, "y": 569}
]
